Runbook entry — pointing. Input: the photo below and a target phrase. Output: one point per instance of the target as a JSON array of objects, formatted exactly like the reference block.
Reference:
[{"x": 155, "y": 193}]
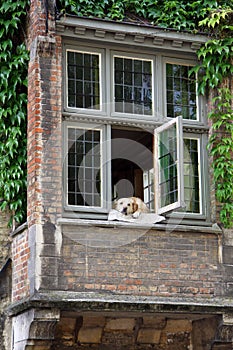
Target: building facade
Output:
[{"x": 113, "y": 112}]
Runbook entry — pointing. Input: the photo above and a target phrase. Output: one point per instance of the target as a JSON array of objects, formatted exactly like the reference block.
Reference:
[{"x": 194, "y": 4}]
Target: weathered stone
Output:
[
  {"x": 126, "y": 324},
  {"x": 67, "y": 325},
  {"x": 148, "y": 336},
  {"x": 228, "y": 255},
  {"x": 156, "y": 322},
  {"x": 90, "y": 335},
  {"x": 204, "y": 331},
  {"x": 222, "y": 346},
  {"x": 93, "y": 321},
  {"x": 175, "y": 326}
]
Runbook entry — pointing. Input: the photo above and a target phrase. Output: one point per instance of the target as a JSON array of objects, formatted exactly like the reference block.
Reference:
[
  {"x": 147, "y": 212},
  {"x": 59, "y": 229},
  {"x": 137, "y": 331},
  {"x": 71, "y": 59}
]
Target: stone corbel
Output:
[{"x": 34, "y": 327}]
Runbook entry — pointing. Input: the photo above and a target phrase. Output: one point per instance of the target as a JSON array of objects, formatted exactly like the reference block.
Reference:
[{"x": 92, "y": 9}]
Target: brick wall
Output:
[
  {"x": 44, "y": 118},
  {"x": 20, "y": 258},
  {"x": 157, "y": 264}
]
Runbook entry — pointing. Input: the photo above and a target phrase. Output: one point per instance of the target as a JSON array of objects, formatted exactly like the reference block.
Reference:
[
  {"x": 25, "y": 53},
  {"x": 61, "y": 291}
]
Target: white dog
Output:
[{"x": 131, "y": 206}]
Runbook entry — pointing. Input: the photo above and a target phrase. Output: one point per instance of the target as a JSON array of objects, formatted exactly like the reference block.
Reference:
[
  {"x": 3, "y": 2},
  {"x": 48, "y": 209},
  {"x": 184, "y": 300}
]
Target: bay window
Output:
[{"x": 133, "y": 127}]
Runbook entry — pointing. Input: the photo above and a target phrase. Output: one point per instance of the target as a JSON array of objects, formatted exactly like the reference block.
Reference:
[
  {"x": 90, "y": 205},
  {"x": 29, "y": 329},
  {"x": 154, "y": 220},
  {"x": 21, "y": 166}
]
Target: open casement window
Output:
[
  {"x": 168, "y": 164},
  {"x": 105, "y": 162}
]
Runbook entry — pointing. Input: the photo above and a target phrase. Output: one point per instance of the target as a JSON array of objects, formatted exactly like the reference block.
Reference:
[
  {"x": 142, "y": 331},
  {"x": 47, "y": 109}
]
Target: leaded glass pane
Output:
[
  {"x": 181, "y": 92},
  {"x": 133, "y": 86},
  {"x": 84, "y": 181},
  {"x": 83, "y": 80},
  {"x": 169, "y": 166},
  {"x": 168, "y": 175},
  {"x": 191, "y": 176}
]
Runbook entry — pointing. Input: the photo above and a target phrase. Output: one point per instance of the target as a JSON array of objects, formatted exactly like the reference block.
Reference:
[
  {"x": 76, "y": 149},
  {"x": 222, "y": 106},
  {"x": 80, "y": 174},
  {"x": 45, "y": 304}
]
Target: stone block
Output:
[
  {"x": 228, "y": 255},
  {"x": 120, "y": 324},
  {"x": 228, "y": 237},
  {"x": 67, "y": 325},
  {"x": 93, "y": 321},
  {"x": 175, "y": 326},
  {"x": 154, "y": 321},
  {"x": 148, "y": 336},
  {"x": 90, "y": 335}
]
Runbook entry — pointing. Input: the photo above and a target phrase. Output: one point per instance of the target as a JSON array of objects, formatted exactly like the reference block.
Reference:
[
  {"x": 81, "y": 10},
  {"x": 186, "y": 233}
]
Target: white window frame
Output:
[
  {"x": 105, "y": 149},
  {"x": 203, "y": 213},
  {"x": 182, "y": 62},
  {"x": 133, "y": 56},
  {"x": 179, "y": 163},
  {"x": 83, "y": 50},
  {"x": 107, "y": 116}
]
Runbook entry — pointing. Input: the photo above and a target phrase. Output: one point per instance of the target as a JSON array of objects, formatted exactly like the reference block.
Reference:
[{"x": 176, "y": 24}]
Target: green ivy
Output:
[
  {"x": 177, "y": 14},
  {"x": 216, "y": 71},
  {"x": 13, "y": 107},
  {"x": 211, "y": 16},
  {"x": 217, "y": 54},
  {"x": 221, "y": 148},
  {"x": 215, "y": 65}
]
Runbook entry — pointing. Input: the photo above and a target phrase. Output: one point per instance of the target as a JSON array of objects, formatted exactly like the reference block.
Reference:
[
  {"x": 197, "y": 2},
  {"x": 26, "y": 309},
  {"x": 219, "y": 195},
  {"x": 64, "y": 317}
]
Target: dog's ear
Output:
[
  {"x": 134, "y": 206},
  {"x": 114, "y": 204}
]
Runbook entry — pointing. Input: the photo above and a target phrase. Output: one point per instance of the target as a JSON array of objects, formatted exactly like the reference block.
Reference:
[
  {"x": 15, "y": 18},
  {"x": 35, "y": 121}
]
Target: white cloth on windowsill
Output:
[{"x": 144, "y": 218}]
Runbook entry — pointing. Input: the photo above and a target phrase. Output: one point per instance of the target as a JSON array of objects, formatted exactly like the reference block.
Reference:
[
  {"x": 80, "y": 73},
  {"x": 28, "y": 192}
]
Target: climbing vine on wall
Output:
[
  {"x": 216, "y": 58},
  {"x": 13, "y": 106},
  {"x": 177, "y": 14},
  {"x": 214, "y": 17}
]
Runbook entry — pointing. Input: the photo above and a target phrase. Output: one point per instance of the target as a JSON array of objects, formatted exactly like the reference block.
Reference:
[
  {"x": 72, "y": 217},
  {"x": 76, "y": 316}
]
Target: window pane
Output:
[
  {"x": 133, "y": 86},
  {"x": 84, "y": 180},
  {"x": 191, "y": 176},
  {"x": 181, "y": 92},
  {"x": 168, "y": 180},
  {"x": 169, "y": 166},
  {"x": 83, "y": 80},
  {"x": 148, "y": 188}
]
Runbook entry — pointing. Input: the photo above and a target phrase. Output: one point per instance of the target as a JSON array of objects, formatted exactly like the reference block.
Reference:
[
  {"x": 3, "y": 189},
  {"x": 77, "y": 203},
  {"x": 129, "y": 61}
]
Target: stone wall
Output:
[
  {"x": 5, "y": 280},
  {"x": 142, "y": 332}
]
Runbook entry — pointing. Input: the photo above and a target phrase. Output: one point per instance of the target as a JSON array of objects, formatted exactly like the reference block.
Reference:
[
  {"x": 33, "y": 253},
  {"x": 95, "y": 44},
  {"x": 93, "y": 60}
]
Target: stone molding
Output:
[{"x": 128, "y": 33}]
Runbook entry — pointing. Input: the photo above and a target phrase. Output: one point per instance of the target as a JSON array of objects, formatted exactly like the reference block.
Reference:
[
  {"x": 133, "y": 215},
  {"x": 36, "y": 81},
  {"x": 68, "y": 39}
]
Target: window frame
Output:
[
  {"x": 204, "y": 214},
  {"x": 179, "y": 162},
  {"x": 107, "y": 117},
  {"x": 102, "y": 78},
  {"x": 199, "y": 99},
  {"x": 133, "y": 56},
  {"x": 104, "y": 162}
]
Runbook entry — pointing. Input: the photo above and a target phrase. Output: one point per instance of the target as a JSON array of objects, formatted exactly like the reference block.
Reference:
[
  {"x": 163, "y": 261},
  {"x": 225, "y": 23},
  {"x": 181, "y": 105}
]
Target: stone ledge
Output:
[
  {"x": 128, "y": 303},
  {"x": 211, "y": 228}
]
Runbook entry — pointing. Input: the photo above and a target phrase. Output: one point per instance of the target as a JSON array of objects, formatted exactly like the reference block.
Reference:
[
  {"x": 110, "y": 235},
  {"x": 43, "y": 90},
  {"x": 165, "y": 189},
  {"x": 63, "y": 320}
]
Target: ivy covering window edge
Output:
[{"x": 214, "y": 17}]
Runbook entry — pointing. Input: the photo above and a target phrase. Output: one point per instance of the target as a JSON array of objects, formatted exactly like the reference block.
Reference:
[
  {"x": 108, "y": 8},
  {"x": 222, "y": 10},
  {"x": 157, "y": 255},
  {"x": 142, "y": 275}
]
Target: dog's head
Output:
[{"x": 126, "y": 206}]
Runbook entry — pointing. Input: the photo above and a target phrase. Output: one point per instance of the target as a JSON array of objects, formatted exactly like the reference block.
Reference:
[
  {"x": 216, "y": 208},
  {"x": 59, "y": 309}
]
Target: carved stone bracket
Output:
[
  {"x": 224, "y": 336},
  {"x": 34, "y": 327}
]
